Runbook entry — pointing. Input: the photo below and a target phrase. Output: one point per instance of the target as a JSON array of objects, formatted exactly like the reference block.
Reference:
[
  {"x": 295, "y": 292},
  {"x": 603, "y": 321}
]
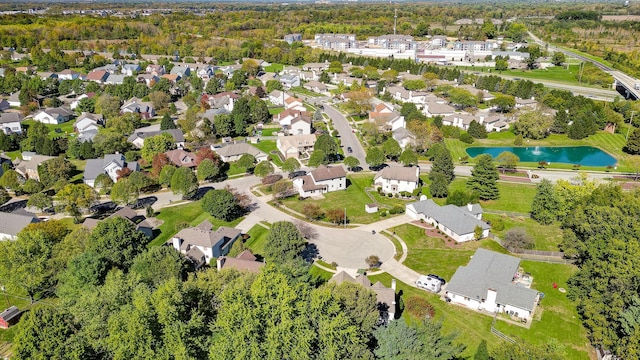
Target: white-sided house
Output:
[
  {"x": 300, "y": 125},
  {"x": 321, "y": 180},
  {"x": 316, "y": 86},
  {"x": 110, "y": 164},
  {"x": 295, "y": 145},
  {"x": 294, "y": 103},
  {"x": 202, "y": 243},
  {"x": 404, "y": 137},
  {"x": 233, "y": 152},
  {"x": 487, "y": 284},
  {"x": 68, "y": 74},
  {"x": 457, "y": 222},
  {"x": 88, "y": 122},
  {"x": 11, "y": 224},
  {"x": 137, "y": 138},
  {"x": 437, "y": 108},
  {"x": 397, "y": 179},
  {"x": 289, "y": 81},
  {"x": 278, "y": 97},
  {"x": 53, "y": 116},
  {"x": 10, "y": 123}
]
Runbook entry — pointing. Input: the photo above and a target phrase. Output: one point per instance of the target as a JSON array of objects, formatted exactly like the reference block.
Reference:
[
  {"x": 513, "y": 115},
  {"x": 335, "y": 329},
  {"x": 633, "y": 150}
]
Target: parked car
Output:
[
  {"x": 349, "y": 150},
  {"x": 429, "y": 283},
  {"x": 438, "y": 277},
  {"x": 296, "y": 174}
]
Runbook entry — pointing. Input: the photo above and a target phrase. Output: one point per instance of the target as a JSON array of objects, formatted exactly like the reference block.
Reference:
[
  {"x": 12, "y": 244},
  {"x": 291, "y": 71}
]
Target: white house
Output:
[
  {"x": 10, "y": 123},
  {"x": 321, "y": 180},
  {"x": 137, "y": 138},
  {"x": 404, "y": 137},
  {"x": 300, "y": 125},
  {"x": 110, "y": 164},
  {"x": 53, "y": 116},
  {"x": 202, "y": 243},
  {"x": 11, "y": 224},
  {"x": 130, "y": 69},
  {"x": 386, "y": 118},
  {"x": 315, "y": 86},
  {"x": 233, "y": 152},
  {"x": 68, "y": 74},
  {"x": 295, "y": 145},
  {"x": 294, "y": 103},
  {"x": 397, "y": 179},
  {"x": 278, "y": 97},
  {"x": 136, "y": 105},
  {"x": 289, "y": 81},
  {"x": 490, "y": 282},
  {"x": 88, "y": 121},
  {"x": 457, "y": 222},
  {"x": 74, "y": 104},
  {"x": 28, "y": 167}
]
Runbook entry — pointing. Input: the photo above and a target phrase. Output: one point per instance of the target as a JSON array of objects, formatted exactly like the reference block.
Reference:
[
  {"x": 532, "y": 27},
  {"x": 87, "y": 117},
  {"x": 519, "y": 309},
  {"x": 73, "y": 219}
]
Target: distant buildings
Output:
[
  {"x": 291, "y": 38},
  {"x": 394, "y": 42},
  {"x": 336, "y": 41}
]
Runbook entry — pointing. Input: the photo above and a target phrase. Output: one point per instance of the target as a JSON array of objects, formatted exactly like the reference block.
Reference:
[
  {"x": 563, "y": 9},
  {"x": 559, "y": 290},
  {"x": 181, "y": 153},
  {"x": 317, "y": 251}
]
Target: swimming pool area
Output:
[{"x": 582, "y": 155}]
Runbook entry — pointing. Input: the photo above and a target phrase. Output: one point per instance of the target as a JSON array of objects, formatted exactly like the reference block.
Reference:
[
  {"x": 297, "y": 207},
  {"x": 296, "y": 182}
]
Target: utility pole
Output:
[
  {"x": 581, "y": 68},
  {"x": 630, "y": 121},
  {"x": 5, "y": 295},
  {"x": 395, "y": 21}
]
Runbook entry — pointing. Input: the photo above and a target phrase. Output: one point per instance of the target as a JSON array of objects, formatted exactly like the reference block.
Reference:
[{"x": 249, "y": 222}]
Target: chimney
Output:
[
  {"x": 177, "y": 242},
  {"x": 220, "y": 262},
  {"x": 470, "y": 207}
]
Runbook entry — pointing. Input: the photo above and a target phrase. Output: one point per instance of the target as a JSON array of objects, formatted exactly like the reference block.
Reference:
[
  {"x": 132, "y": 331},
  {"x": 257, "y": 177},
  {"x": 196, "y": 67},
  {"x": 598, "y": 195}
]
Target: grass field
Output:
[
  {"x": 190, "y": 214},
  {"x": 303, "y": 91},
  {"x": 257, "y": 239},
  {"x": 555, "y": 73},
  {"x": 546, "y": 237},
  {"x": 274, "y": 68},
  {"x": 276, "y": 110},
  {"x": 269, "y": 147},
  {"x": 610, "y": 143},
  {"x": 65, "y": 129},
  {"x": 270, "y": 131}
]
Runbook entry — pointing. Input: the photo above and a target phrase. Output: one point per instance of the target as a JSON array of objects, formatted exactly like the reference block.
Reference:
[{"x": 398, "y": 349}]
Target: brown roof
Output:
[
  {"x": 328, "y": 173},
  {"x": 246, "y": 255},
  {"x": 181, "y": 157},
  {"x": 125, "y": 212},
  {"x": 399, "y": 173},
  {"x": 226, "y": 93},
  {"x": 96, "y": 75},
  {"x": 90, "y": 223},
  {"x": 292, "y": 100},
  {"x": 205, "y": 225},
  {"x": 309, "y": 185},
  {"x": 242, "y": 264},
  {"x": 206, "y": 238}
]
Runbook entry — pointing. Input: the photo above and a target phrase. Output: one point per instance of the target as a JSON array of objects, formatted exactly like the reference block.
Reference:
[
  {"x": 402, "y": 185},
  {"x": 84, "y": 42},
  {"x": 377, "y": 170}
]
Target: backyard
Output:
[
  {"x": 55, "y": 131},
  {"x": 270, "y": 148},
  {"x": 546, "y": 237}
]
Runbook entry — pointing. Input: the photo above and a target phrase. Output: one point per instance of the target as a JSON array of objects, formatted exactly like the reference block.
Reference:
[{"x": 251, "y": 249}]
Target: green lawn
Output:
[
  {"x": 319, "y": 275},
  {"x": 257, "y": 239},
  {"x": 353, "y": 198},
  {"x": 234, "y": 169},
  {"x": 270, "y": 131},
  {"x": 546, "y": 237},
  {"x": 276, "y": 110},
  {"x": 303, "y": 91},
  {"x": 66, "y": 128},
  {"x": 269, "y": 147},
  {"x": 189, "y": 214},
  {"x": 555, "y": 73},
  {"x": 429, "y": 255},
  {"x": 610, "y": 143},
  {"x": 274, "y": 68}
]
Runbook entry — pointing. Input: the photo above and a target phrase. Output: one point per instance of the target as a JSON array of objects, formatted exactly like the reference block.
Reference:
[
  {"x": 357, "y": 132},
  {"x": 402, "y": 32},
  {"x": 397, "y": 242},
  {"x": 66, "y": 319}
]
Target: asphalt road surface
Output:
[{"x": 347, "y": 136}]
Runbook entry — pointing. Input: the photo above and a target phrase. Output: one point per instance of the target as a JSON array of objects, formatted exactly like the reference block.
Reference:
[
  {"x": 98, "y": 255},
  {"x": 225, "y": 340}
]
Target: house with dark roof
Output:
[
  {"x": 11, "y": 224},
  {"x": 181, "y": 158},
  {"x": 457, "y": 222},
  {"x": 233, "y": 152},
  {"x": 9, "y": 317},
  {"x": 490, "y": 282},
  {"x": 4, "y": 104},
  {"x": 397, "y": 179},
  {"x": 322, "y": 180},
  {"x": 202, "y": 243},
  {"x": 110, "y": 164},
  {"x": 141, "y": 223},
  {"x": 245, "y": 261},
  {"x": 138, "y": 137},
  {"x": 386, "y": 297}
]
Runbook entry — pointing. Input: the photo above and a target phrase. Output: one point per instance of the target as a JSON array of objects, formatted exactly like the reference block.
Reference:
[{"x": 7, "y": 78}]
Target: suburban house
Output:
[
  {"x": 68, "y": 74},
  {"x": 530, "y": 104},
  {"x": 130, "y": 69},
  {"x": 315, "y": 86},
  {"x": 294, "y": 103},
  {"x": 285, "y": 117},
  {"x": 11, "y": 224},
  {"x": 321, "y": 180},
  {"x": 128, "y": 213},
  {"x": 4, "y": 105},
  {"x": 207, "y": 72},
  {"x": 110, "y": 164},
  {"x": 88, "y": 121},
  {"x": 387, "y": 119},
  {"x": 291, "y": 38},
  {"x": 202, "y": 243},
  {"x": 53, "y": 116},
  {"x": 181, "y": 158},
  {"x": 136, "y": 105},
  {"x": 245, "y": 261},
  {"x": 99, "y": 76},
  {"x": 319, "y": 67},
  {"x": 181, "y": 71},
  {"x": 289, "y": 81},
  {"x": 234, "y": 152},
  {"x": 9, "y": 317},
  {"x": 28, "y": 167},
  {"x": 137, "y": 138},
  {"x": 156, "y": 70},
  {"x": 294, "y": 122},
  {"x": 492, "y": 282},
  {"x": 295, "y": 145},
  {"x": 336, "y": 41},
  {"x": 397, "y": 179},
  {"x": 147, "y": 79},
  {"x": 404, "y": 137},
  {"x": 74, "y": 104},
  {"x": 224, "y": 100},
  {"x": 385, "y": 296},
  {"x": 10, "y": 123},
  {"x": 436, "y": 108},
  {"x": 278, "y": 97},
  {"x": 14, "y": 99},
  {"x": 457, "y": 222}
]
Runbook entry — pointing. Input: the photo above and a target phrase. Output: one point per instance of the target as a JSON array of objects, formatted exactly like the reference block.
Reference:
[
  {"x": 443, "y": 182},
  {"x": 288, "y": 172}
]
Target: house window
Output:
[{"x": 466, "y": 298}]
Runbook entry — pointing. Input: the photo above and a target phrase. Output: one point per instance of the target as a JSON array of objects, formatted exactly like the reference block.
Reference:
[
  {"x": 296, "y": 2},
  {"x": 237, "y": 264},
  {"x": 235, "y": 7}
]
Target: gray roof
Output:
[
  {"x": 10, "y": 313},
  {"x": 10, "y": 117},
  {"x": 88, "y": 135},
  {"x": 95, "y": 167},
  {"x": 177, "y": 134},
  {"x": 207, "y": 238},
  {"x": 458, "y": 219},
  {"x": 491, "y": 270},
  {"x": 240, "y": 149},
  {"x": 12, "y": 224},
  {"x": 399, "y": 173}
]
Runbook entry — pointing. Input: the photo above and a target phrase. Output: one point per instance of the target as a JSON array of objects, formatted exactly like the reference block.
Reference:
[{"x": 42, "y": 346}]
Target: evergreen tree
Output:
[
  {"x": 544, "y": 208},
  {"x": 167, "y": 123},
  {"x": 633, "y": 143},
  {"x": 442, "y": 162},
  {"x": 477, "y": 130},
  {"x": 439, "y": 185},
  {"x": 484, "y": 177},
  {"x": 560, "y": 122},
  {"x": 482, "y": 353}
]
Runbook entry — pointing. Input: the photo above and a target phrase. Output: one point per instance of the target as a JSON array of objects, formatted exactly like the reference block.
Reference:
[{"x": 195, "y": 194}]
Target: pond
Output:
[{"x": 583, "y": 155}]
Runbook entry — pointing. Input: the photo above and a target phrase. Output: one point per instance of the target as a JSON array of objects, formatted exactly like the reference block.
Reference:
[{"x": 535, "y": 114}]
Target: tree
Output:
[
  {"x": 336, "y": 216},
  {"x": 462, "y": 98},
  {"x": 263, "y": 169},
  {"x": 375, "y": 157},
  {"x": 40, "y": 201},
  {"x": 75, "y": 198},
  {"x": 533, "y": 125},
  {"x": 312, "y": 211},
  {"x": 53, "y": 170},
  {"x": 160, "y": 100},
  {"x": 246, "y": 161},
  {"x": 558, "y": 58},
  {"x": 516, "y": 31},
  {"x": 503, "y": 102},
  {"x": 408, "y": 157},
  {"x": 632, "y": 147},
  {"x": 317, "y": 158},
  {"x": 156, "y": 144},
  {"x": 484, "y": 177},
  {"x": 273, "y": 85},
  {"x": 184, "y": 182},
  {"x": 351, "y": 162},
  {"x": 544, "y": 208},
  {"x": 397, "y": 341},
  {"x": 284, "y": 243},
  {"x": 167, "y": 123},
  {"x": 477, "y": 130},
  {"x": 124, "y": 192},
  {"x": 290, "y": 165},
  {"x": 518, "y": 141},
  {"x": 373, "y": 261},
  {"x": 507, "y": 161},
  {"x": 391, "y": 149},
  {"x": 439, "y": 187},
  {"x": 327, "y": 144},
  {"x": 442, "y": 162},
  {"x": 207, "y": 170},
  {"x": 517, "y": 239},
  {"x": 462, "y": 198},
  {"x": 166, "y": 174},
  {"x": 282, "y": 188},
  {"x": 335, "y": 67},
  {"x": 107, "y": 105},
  {"x": 414, "y": 84},
  {"x": 478, "y": 233},
  {"x": 482, "y": 353},
  {"x": 221, "y": 204},
  {"x": 12, "y": 180},
  {"x": 117, "y": 242},
  {"x": 501, "y": 65}
]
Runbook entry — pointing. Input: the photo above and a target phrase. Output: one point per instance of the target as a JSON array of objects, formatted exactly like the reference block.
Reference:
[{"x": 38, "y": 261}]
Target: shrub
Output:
[
  {"x": 383, "y": 213},
  {"x": 181, "y": 225},
  {"x": 398, "y": 209},
  {"x": 390, "y": 195},
  {"x": 379, "y": 189},
  {"x": 419, "y": 307},
  {"x": 497, "y": 225},
  {"x": 271, "y": 179},
  {"x": 466, "y": 138},
  {"x": 417, "y": 191},
  {"x": 373, "y": 261},
  {"x": 392, "y": 211},
  {"x": 517, "y": 239}
]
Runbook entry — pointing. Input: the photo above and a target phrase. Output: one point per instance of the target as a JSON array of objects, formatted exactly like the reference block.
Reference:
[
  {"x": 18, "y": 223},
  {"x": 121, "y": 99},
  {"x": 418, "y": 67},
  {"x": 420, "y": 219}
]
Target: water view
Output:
[{"x": 583, "y": 155}]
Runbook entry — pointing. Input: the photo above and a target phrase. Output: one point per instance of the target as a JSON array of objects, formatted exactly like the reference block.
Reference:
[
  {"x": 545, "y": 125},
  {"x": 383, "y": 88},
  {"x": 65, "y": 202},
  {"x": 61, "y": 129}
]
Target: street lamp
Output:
[{"x": 5, "y": 295}]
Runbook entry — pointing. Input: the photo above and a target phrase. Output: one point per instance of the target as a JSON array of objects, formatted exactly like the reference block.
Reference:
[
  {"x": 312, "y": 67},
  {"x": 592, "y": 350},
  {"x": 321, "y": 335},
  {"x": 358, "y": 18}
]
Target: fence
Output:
[{"x": 502, "y": 336}]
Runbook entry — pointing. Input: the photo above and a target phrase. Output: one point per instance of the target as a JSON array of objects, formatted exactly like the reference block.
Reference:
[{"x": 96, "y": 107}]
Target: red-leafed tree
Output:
[{"x": 158, "y": 162}]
